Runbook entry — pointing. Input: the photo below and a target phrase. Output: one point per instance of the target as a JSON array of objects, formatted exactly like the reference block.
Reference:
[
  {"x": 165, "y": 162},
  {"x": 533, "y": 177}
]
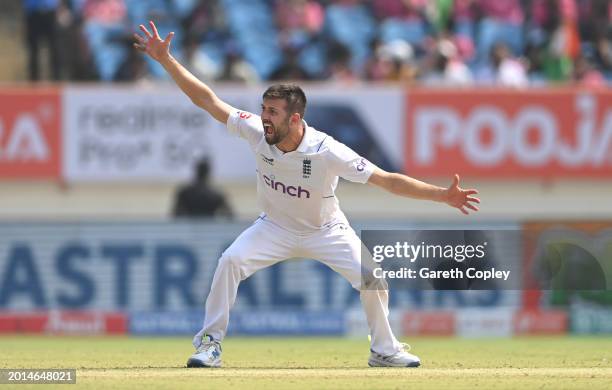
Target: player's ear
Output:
[{"x": 296, "y": 118}]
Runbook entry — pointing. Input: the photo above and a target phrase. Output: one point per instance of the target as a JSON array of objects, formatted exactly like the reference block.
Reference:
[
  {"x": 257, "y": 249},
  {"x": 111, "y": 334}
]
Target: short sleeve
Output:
[
  {"x": 344, "y": 162},
  {"x": 245, "y": 125}
]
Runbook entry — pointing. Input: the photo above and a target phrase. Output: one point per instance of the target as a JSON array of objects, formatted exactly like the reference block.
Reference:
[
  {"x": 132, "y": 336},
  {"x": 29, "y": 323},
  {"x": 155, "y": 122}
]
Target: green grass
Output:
[{"x": 319, "y": 363}]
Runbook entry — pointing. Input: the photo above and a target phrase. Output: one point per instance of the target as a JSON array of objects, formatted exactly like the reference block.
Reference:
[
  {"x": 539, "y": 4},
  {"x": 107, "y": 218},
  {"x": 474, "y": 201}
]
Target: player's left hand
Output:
[{"x": 460, "y": 198}]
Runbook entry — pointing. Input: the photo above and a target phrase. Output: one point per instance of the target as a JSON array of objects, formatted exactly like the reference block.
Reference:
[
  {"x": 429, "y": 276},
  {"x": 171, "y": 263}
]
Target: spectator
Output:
[
  {"x": 402, "y": 19},
  {"x": 439, "y": 13},
  {"x": 339, "y": 57},
  {"x": 595, "y": 27},
  {"x": 41, "y": 26},
  {"x": 198, "y": 199},
  {"x": 75, "y": 59},
  {"x": 206, "y": 17},
  {"x": 105, "y": 12},
  {"x": 505, "y": 70},
  {"x": 464, "y": 17},
  {"x": 350, "y": 23},
  {"x": 236, "y": 69},
  {"x": 603, "y": 53},
  {"x": 411, "y": 10},
  {"x": 586, "y": 75},
  {"x": 499, "y": 21},
  {"x": 105, "y": 24},
  {"x": 197, "y": 62},
  {"x": 542, "y": 19},
  {"x": 298, "y": 21},
  {"x": 446, "y": 67},
  {"x": 380, "y": 65},
  {"x": 134, "y": 69},
  {"x": 595, "y": 17},
  {"x": 393, "y": 61},
  {"x": 564, "y": 43},
  {"x": 290, "y": 68},
  {"x": 300, "y": 41}
]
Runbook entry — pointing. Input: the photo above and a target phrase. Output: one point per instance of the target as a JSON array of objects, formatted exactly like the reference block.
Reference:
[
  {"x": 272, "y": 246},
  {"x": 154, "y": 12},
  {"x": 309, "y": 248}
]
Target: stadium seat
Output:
[
  {"x": 183, "y": 8},
  {"x": 491, "y": 31},
  {"x": 108, "y": 53},
  {"x": 413, "y": 32},
  {"x": 352, "y": 26},
  {"x": 255, "y": 33},
  {"x": 312, "y": 58}
]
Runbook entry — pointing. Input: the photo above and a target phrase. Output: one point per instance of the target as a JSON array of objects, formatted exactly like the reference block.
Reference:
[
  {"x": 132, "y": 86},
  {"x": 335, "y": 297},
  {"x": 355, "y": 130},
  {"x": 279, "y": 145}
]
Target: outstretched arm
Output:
[
  {"x": 199, "y": 93},
  {"x": 403, "y": 185}
]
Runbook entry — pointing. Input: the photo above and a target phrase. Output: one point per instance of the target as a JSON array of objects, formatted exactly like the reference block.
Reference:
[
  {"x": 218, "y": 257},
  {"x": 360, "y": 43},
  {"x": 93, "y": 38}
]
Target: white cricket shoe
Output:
[
  {"x": 399, "y": 359},
  {"x": 208, "y": 354}
]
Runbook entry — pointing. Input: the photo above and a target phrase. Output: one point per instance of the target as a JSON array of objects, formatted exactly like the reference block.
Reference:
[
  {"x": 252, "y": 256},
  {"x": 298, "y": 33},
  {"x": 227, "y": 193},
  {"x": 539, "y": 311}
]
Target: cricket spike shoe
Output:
[
  {"x": 399, "y": 359},
  {"x": 208, "y": 354}
]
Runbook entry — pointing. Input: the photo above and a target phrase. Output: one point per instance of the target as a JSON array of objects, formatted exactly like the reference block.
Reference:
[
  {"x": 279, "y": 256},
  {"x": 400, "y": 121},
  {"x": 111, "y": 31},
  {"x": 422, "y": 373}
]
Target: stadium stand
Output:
[{"x": 568, "y": 42}]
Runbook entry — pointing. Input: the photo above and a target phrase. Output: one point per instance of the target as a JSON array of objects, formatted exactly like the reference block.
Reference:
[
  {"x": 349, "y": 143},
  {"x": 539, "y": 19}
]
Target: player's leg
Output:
[
  {"x": 339, "y": 247},
  {"x": 261, "y": 245},
  {"x": 51, "y": 34},
  {"x": 33, "y": 36}
]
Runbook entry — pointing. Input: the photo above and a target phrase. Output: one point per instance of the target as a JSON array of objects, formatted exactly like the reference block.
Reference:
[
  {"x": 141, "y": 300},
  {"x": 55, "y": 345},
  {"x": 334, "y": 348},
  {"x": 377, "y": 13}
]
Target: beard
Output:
[
  {"x": 276, "y": 134},
  {"x": 273, "y": 138}
]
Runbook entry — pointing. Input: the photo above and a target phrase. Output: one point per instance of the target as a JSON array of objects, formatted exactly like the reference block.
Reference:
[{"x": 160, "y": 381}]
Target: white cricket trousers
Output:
[{"x": 264, "y": 243}]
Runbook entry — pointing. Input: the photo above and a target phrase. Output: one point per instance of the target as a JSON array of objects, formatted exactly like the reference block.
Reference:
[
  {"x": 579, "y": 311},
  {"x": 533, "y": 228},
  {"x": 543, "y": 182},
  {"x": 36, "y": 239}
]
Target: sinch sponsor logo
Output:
[{"x": 290, "y": 190}]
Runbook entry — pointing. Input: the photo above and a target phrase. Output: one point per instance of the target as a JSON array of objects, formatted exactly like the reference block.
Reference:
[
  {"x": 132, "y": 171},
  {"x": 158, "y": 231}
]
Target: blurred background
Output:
[{"x": 117, "y": 195}]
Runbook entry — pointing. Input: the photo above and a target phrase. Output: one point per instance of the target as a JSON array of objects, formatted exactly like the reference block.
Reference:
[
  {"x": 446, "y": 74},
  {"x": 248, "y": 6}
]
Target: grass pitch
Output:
[{"x": 318, "y": 363}]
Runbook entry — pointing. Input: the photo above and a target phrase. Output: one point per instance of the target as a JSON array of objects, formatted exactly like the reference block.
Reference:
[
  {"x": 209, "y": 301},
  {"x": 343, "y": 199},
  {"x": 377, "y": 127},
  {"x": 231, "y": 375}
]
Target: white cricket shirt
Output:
[{"x": 296, "y": 190}]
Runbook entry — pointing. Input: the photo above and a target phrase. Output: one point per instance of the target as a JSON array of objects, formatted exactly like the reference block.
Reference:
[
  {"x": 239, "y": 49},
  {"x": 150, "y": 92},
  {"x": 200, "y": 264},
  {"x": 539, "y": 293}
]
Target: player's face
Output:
[{"x": 275, "y": 120}]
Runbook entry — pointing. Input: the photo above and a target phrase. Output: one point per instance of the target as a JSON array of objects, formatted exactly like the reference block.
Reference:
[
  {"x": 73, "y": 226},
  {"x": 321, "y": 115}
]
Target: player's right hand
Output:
[{"x": 152, "y": 44}]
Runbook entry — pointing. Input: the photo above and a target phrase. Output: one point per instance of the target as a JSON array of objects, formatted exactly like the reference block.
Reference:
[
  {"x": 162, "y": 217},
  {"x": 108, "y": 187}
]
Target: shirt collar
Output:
[{"x": 303, "y": 146}]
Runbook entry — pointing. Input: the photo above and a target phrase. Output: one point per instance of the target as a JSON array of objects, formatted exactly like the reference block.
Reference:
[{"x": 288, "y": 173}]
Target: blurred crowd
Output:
[{"x": 432, "y": 42}]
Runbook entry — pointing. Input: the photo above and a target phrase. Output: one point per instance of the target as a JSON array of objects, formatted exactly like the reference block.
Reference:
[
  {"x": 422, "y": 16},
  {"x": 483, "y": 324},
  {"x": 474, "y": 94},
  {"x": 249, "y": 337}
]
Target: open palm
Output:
[
  {"x": 460, "y": 198},
  {"x": 152, "y": 44}
]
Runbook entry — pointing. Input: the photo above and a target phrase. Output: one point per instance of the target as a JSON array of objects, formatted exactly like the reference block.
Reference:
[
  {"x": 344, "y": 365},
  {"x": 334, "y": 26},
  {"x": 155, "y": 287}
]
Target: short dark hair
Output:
[{"x": 290, "y": 93}]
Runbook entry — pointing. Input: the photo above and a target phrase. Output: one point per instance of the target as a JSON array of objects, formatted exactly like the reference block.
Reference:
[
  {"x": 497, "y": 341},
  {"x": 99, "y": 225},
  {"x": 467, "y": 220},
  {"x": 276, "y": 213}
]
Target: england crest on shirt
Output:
[{"x": 306, "y": 168}]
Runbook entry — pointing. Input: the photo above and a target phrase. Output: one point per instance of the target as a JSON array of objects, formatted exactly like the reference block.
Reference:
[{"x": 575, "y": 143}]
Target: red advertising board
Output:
[
  {"x": 86, "y": 322},
  {"x": 30, "y": 133},
  {"x": 540, "y": 322},
  {"x": 64, "y": 322},
  {"x": 436, "y": 323},
  {"x": 488, "y": 133}
]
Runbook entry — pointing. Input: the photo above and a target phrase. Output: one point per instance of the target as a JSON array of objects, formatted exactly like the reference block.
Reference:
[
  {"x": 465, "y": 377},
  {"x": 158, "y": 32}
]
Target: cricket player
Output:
[{"x": 297, "y": 174}]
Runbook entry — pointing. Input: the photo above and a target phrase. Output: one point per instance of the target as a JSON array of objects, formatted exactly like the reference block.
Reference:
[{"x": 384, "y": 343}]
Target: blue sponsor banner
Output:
[
  {"x": 591, "y": 320},
  {"x": 165, "y": 323},
  {"x": 164, "y": 266},
  {"x": 242, "y": 323},
  {"x": 288, "y": 323}
]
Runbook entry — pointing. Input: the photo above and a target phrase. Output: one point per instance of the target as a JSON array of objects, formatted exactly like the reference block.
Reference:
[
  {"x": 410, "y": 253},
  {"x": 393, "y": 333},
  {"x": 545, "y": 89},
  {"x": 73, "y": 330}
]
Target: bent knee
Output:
[
  {"x": 372, "y": 283},
  {"x": 231, "y": 259}
]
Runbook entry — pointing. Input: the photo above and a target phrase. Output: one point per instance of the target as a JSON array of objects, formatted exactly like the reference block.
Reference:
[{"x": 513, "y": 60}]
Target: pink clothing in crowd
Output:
[
  {"x": 463, "y": 10},
  {"x": 398, "y": 9},
  {"x": 541, "y": 11},
  {"x": 105, "y": 11},
  {"x": 592, "y": 79},
  {"x": 509, "y": 11},
  {"x": 300, "y": 14}
]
